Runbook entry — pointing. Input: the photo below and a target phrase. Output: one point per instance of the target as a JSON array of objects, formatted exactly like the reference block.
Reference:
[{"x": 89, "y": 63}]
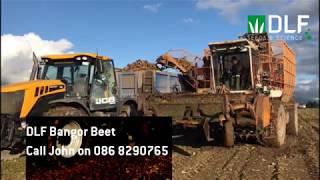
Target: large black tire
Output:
[
  {"x": 293, "y": 125},
  {"x": 228, "y": 134}
]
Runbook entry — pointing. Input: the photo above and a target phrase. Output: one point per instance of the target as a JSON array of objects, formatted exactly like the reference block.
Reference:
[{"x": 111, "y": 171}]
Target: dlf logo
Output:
[{"x": 257, "y": 24}]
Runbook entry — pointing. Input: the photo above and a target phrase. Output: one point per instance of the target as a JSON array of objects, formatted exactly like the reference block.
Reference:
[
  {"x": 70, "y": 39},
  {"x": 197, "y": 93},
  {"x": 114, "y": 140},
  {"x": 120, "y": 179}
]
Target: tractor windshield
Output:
[{"x": 75, "y": 74}]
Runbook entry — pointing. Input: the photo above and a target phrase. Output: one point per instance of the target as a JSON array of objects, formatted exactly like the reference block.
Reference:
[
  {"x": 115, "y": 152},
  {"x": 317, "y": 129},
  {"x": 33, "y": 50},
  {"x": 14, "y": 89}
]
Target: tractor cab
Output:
[
  {"x": 88, "y": 77},
  {"x": 232, "y": 65}
]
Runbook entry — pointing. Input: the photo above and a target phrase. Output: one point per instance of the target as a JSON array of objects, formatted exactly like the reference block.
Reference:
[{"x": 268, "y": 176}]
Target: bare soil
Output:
[{"x": 298, "y": 159}]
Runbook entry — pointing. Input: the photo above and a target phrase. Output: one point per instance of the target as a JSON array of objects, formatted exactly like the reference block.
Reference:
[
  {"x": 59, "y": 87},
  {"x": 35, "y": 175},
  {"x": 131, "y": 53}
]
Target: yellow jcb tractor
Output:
[{"x": 81, "y": 84}]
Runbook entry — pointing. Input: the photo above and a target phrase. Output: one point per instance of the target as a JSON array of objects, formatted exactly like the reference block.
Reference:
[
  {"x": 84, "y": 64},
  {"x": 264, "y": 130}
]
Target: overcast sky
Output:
[{"x": 127, "y": 30}]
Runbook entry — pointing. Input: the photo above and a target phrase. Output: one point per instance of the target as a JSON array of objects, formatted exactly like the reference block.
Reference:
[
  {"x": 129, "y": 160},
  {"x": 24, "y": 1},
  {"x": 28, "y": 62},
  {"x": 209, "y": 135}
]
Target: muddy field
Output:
[{"x": 299, "y": 159}]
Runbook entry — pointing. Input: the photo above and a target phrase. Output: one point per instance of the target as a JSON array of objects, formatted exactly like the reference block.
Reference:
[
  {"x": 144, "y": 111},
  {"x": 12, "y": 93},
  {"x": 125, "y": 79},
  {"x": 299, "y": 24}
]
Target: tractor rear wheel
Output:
[
  {"x": 228, "y": 134},
  {"x": 73, "y": 143}
]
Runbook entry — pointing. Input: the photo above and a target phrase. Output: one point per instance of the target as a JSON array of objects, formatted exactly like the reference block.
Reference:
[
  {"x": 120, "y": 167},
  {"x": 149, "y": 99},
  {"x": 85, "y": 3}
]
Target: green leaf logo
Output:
[{"x": 256, "y": 24}]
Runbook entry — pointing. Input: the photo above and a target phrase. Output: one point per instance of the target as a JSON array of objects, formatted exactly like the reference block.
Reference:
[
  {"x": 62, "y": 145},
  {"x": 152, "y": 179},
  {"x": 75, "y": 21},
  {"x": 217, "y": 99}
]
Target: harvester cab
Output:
[
  {"x": 232, "y": 65},
  {"x": 250, "y": 64}
]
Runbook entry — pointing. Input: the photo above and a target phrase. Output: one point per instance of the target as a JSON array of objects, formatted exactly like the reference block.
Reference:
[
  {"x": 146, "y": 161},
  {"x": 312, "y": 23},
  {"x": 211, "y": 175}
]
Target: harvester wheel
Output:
[
  {"x": 68, "y": 142},
  {"x": 228, "y": 134},
  {"x": 292, "y": 127},
  {"x": 279, "y": 121}
]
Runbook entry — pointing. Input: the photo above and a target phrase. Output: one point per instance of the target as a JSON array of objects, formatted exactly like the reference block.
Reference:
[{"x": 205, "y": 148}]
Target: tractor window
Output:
[
  {"x": 81, "y": 79},
  {"x": 74, "y": 74},
  {"x": 51, "y": 72},
  {"x": 81, "y": 72},
  {"x": 109, "y": 75},
  {"x": 67, "y": 74},
  {"x": 103, "y": 89}
]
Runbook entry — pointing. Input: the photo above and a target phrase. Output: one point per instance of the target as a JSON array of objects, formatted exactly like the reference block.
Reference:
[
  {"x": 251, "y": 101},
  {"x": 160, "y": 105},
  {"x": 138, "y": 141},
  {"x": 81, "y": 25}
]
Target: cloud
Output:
[
  {"x": 189, "y": 20},
  {"x": 304, "y": 82},
  {"x": 16, "y": 54},
  {"x": 307, "y": 90},
  {"x": 152, "y": 7},
  {"x": 230, "y": 9},
  {"x": 296, "y": 7},
  {"x": 307, "y": 52}
]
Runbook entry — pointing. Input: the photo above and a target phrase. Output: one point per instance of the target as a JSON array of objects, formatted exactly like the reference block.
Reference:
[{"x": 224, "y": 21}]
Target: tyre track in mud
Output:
[
  {"x": 309, "y": 139},
  {"x": 309, "y": 126},
  {"x": 298, "y": 159},
  {"x": 241, "y": 162},
  {"x": 245, "y": 164},
  {"x": 234, "y": 167},
  {"x": 217, "y": 165},
  {"x": 255, "y": 163},
  {"x": 192, "y": 166}
]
